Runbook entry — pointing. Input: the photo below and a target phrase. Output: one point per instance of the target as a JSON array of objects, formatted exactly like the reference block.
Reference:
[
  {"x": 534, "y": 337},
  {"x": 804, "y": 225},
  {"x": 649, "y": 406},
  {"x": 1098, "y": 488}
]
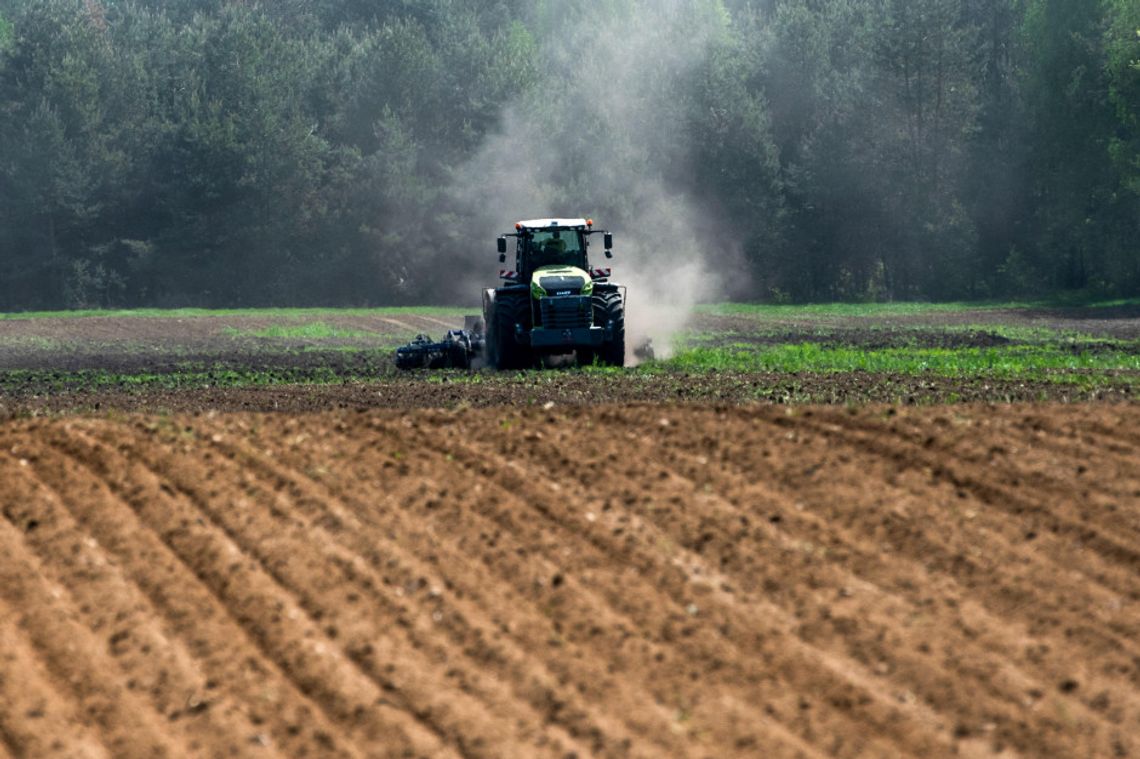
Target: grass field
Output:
[
  {"x": 1035, "y": 361},
  {"x": 284, "y": 314},
  {"x": 739, "y": 352}
]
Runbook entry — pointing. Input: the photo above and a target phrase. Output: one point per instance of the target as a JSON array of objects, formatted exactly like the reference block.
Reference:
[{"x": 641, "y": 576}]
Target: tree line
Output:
[{"x": 305, "y": 152}]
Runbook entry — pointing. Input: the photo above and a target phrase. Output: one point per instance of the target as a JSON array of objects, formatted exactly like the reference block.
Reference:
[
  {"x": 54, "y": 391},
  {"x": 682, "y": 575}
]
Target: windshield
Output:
[{"x": 562, "y": 247}]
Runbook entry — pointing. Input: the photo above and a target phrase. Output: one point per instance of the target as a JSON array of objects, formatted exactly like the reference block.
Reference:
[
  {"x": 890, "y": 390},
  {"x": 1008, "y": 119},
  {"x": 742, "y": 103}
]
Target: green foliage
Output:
[
  {"x": 886, "y": 310},
  {"x": 1084, "y": 227},
  {"x": 1122, "y": 42},
  {"x": 284, "y": 314},
  {"x": 1007, "y": 362},
  {"x": 733, "y": 145},
  {"x": 308, "y": 331},
  {"x": 200, "y": 152}
]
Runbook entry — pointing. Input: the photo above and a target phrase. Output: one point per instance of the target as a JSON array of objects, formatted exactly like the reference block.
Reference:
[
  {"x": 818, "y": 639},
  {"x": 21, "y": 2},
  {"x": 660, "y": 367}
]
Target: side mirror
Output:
[
  {"x": 607, "y": 241},
  {"x": 502, "y": 258},
  {"x": 502, "y": 241},
  {"x": 609, "y": 254}
]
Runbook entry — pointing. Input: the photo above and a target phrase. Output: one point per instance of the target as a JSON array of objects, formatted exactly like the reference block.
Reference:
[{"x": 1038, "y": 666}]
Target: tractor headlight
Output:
[
  {"x": 588, "y": 288},
  {"x": 536, "y": 289}
]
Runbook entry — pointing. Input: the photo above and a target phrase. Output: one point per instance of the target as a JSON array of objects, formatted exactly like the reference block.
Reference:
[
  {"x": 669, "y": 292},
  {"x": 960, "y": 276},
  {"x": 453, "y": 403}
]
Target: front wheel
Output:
[{"x": 609, "y": 310}]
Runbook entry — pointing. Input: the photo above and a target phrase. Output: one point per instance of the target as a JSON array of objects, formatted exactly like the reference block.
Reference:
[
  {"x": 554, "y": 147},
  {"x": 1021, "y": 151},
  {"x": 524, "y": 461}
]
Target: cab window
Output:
[{"x": 557, "y": 247}]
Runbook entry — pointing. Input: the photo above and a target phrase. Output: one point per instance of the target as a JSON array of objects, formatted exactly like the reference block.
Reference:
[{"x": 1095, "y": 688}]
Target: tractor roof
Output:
[{"x": 557, "y": 223}]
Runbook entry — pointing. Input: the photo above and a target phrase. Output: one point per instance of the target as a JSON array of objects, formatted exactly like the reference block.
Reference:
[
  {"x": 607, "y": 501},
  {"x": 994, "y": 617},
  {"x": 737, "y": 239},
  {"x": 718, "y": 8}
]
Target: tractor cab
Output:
[
  {"x": 554, "y": 247},
  {"x": 550, "y": 242}
]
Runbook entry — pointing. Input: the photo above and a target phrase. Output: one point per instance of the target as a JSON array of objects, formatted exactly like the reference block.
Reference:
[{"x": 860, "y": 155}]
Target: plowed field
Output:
[{"x": 613, "y": 581}]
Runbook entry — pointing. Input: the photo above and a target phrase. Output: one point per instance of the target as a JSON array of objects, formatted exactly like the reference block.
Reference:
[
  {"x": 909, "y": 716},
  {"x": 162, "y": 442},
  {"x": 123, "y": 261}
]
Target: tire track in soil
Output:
[
  {"x": 404, "y": 326},
  {"x": 279, "y": 547},
  {"x": 446, "y": 324}
]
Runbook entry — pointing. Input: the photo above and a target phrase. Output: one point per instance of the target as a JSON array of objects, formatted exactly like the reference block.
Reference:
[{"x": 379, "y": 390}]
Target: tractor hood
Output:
[{"x": 559, "y": 281}]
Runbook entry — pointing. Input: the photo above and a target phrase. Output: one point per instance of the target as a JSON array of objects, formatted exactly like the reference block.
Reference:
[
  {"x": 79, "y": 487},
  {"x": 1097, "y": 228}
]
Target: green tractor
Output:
[{"x": 553, "y": 302}]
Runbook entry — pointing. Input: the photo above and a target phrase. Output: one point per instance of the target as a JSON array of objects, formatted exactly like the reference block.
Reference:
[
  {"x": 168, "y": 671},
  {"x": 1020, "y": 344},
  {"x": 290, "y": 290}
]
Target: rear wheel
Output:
[
  {"x": 609, "y": 309},
  {"x": 509, "y": 310}
]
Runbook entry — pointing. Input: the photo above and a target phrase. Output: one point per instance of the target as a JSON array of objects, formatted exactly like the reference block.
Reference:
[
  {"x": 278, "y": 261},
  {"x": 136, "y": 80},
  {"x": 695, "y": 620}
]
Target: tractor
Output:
[{"x": 553, "y": 302}]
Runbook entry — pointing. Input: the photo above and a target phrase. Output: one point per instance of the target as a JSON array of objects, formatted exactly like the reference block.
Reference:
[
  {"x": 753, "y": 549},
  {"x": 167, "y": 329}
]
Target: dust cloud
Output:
[{"x": 599, "y": 138}]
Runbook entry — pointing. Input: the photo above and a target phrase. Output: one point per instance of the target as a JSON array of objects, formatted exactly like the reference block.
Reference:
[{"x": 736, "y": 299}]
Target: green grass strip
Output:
[
  {"x": 270, "y": 313},
  {"x": 1012, "y": 361},
  {"x": 318, "y": 330},
  {"x": 902, "y": 308}
]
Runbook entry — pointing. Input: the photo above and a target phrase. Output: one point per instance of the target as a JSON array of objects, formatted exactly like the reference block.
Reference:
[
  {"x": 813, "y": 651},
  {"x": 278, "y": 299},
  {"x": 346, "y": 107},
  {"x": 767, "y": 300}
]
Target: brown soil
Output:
[
  {"x": 613, "y": 581},
  {"x": 534, "y": 389}
]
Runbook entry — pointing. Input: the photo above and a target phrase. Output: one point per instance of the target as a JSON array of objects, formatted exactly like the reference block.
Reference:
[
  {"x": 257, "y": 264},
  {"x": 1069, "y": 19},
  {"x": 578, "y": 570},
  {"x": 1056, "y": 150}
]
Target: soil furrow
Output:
[
  {"x": 610, "y": 581},
  {"x": 1034, "y": 516},
  {"x": 286, "y": 641},
  {"x": 509, "y": 560},
  {"x": 447, "y": 588},
  {"x": 325, "y": 582},
  {"x": 520, "y": 571},
  {"x": 75, "y": 658},
  {"x": 10, "y": 744},
  {"x": 983, "y": 677},
  {"x": 37, "y": 718},
  {"x": 1004, "y": 448},
  {"x": 1113, "y": 563},
  {"x": 705, "y": 641},
  {"x": 986, "y": 637},
  {"x": 863, "y": 643},
  {"x": 913, "y": 505},
  {"x": 151, "y": 664},
  {"x": 231, "y": 662}
]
